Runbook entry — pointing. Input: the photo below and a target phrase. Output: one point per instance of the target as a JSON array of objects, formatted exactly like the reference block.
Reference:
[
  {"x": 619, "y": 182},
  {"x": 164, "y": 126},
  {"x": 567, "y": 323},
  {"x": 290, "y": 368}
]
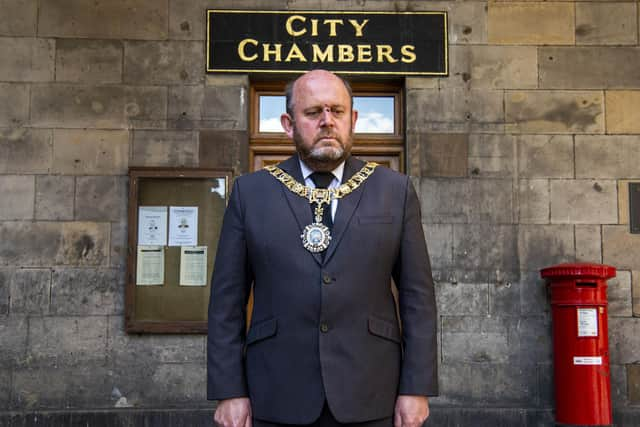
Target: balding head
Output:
[{"x": 314, "y": 74}]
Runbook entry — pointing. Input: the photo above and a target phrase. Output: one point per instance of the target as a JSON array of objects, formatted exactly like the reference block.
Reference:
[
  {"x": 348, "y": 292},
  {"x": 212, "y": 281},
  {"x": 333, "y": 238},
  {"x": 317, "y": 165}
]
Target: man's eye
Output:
[
  {"x": 337, "y": 111},
  {"x": 312, "y": 113}
]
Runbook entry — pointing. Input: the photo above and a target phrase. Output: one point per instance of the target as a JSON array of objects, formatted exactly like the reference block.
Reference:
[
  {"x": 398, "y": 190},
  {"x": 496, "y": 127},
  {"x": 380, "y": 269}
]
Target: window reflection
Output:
[{"x": 271, "y": 107}]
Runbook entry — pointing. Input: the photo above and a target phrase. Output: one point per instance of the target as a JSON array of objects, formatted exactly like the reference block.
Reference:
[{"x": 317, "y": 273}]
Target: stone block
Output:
[
  {"x": 606, "y": 23},
  {"x": 623, "y": 111},
  {"x": 467, "y": 201},
  {"x": 101, "y": 198},
  {"x": 619, "y": 295},
  {"x": 545, "y": 156},
  {"x": 186, "y": 106},
  {"x": 27, "y": 59},
  {"x": 474, "y": 339},
  {"x": 29, "y": 243},
  {"x": 5, "y": 387},
  {"x": 24, "y": 150},
  {"x": 84, "y": 243},
  {"x": 442, "y": 154},
  {"x": 90, "y": 152},
  {"x": 67, "y": 341},
  {"x": 588, "y": 67},
  {"x": 532, "y": 338},
  {"x": 54, "y": 197},
  {"x": 554, "y": 112},
  {"x": 588, "y": 243},
  {"x": 75, "y": 106},
  {"x": 584, "y": 201},
  {"x": 485, "y": 247},
  {"x": 462, "y": 299},
  {"x": 542, "y": 246},
  {"x": 635, "y": 292},
  {"x": 13, "y": 335},
  {"x": 455, "y": 110},
  {"x": 491, "y": 156},
  {"x": 439, "y": 239},
  {"x": 87, "y": 292},
  {"x": 226, "y": 104},
  {"x": 633, "y": 382},
  {"x": 533, "y": 201},
  {"x": 115, "y": 19},
  {"x": 604, "y": 156},
  {"x": 619, "y": 397},
  {"x": 496, "y": 67},
  {"x": 30, "y": 291},
  {"x": 6, "y": 276},
  {"x": 620, "y": 248},
  {"x": 224, "y": 149},
  {"x": 531, "y": 23},
  {"x": 118, "y": 242},
  {"x": 622, "y": 345},
  {"x": 19, "y": 18},
  {"x": 534, "y": 294},
  {"x": 164, "y": 148},
  {"x": 14, "y": 104},
  {"x": 168, "y": 62},
  {"x": 89, "y": 61},
  {"x": 504, "y": 298},
  {"x": 623, "y": 200},
  {"x": 18, "y": 193}
]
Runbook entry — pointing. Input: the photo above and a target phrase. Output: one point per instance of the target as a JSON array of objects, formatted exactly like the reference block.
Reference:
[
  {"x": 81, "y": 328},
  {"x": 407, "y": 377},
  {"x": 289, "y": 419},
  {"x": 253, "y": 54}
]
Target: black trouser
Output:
[{"x": 326, "y": 419}]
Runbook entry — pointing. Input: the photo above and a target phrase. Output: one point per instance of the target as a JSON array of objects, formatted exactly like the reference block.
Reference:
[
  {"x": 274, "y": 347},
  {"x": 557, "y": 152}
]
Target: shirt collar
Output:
[{"x": 338, "y": 172}]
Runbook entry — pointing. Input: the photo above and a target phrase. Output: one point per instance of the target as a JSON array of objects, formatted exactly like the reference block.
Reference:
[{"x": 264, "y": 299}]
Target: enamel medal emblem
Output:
[{"x": 316, "y": 237}]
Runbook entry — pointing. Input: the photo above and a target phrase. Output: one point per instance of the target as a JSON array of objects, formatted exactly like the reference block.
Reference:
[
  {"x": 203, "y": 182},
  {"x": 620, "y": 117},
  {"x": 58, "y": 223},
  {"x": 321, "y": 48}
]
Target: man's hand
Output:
[
  {"x": 234, "y": 412},
  {"x": 411, "y": 411}
]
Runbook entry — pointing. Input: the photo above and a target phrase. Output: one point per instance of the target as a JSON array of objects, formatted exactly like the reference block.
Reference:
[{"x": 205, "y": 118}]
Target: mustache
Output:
[{"x": 327, "y": 135}]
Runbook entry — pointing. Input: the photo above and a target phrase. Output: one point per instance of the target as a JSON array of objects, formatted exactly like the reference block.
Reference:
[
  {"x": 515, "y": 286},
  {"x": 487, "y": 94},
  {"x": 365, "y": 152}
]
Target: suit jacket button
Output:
[
  {"x": 324, "y": 328},
  {"x": 326, "y": 279}
]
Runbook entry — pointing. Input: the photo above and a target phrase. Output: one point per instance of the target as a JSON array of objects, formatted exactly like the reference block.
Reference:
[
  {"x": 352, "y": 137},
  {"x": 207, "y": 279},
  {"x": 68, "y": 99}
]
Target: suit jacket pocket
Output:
[
  {"x": 384, "y": 329},
  {"x": 377, "y": 219},
  {"x": 262, "y": 330}
]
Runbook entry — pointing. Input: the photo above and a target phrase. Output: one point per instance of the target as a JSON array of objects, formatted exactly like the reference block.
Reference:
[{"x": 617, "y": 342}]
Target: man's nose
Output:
[{"x": 326, "y": 117}]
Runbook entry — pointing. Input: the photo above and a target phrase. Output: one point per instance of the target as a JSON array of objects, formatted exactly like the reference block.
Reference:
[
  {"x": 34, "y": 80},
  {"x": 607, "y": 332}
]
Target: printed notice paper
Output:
[
  {"x": 183, "y": 226},
  {"x": 150, "y": 265},
  {"x": 193, "y": 266},
  {"x": 587, "y": 322},
  {"x": 152, "y": 225}
]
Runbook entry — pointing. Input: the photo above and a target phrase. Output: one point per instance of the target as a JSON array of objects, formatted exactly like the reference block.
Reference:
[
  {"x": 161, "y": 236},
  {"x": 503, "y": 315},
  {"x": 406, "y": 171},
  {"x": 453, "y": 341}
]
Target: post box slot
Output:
[{"x": 587, "y": 284}]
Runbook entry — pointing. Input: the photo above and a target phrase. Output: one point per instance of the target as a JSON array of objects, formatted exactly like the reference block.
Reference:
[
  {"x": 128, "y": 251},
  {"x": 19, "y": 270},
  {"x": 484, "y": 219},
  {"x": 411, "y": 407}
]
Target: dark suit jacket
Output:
[{"x": 322, "y": 329}]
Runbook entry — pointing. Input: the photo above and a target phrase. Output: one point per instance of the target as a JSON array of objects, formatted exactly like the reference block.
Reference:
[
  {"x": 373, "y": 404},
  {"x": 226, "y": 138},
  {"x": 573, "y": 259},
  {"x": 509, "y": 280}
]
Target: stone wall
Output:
[{"x": 522, "y": 158}]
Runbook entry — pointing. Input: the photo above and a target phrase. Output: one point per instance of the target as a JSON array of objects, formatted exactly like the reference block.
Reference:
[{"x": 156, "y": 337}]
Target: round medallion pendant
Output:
[{"x": 316, "y": 237}]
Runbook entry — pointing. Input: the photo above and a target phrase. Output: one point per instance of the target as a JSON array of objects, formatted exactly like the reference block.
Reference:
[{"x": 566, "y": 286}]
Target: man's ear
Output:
[
  {"x": 287, "y": 124},
  {"x": 354, "y": 119}
]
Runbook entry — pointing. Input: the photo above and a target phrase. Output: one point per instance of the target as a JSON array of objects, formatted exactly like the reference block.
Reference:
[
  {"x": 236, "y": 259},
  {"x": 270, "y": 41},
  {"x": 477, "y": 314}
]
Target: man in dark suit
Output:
[{"x": 325, "y": 346}]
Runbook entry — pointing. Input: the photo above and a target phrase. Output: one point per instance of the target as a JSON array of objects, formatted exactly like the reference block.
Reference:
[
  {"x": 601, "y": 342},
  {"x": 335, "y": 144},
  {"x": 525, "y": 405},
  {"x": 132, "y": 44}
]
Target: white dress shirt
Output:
[{"x": 337, "y": 179}]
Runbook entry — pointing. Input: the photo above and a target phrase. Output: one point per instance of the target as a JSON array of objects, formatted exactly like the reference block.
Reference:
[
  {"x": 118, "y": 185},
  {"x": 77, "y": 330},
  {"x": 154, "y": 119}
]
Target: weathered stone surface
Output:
[
  {"x": 454, "y": 110},
  {"x": 443, "y": 155},
  {"x": 531, "y": 23},
  {"x": 545, "y": 156},
  {"x": 164, "y": 148},
  {"x": 19, "y": 18},
  {"x": 13, "y": 335},
  {"x": 118, "y": 257},
  {"x": 90, "y": 152},
  {"x": 491, "y": 156},
  {"x": 186, "y": 106},
  {"x": 26, "y": 59},
  {"x": 623, "y": 111},
  {"x": 474, "y": 339},
  {"x": 467, "y": 201},
  {"x": 588, "y": 243},
  {"x": 24, "y": 150},
  {"x": 554, "y": 112},
  {"x": 533, "y": 201},
  {"x": 584, "y": 201},
  {"x": 54, "y": 197},
  {"x": 504, "y": 298},
  {"x": 633, "y": 381},
  {"x": 509, "y": 67},
  {"x": 589, "y": 67},
  {"x": 18, "y": 192},
  {"x": 14, "y": 104},
  {"x": 534, "y": 294},
  {"x": 606, "y": 23},
  {"x": 5, "y": 387},
  {"x": 532, "y": 340},
  {"x": 224, "y": 149},
  {"x": 95, "y": 106},
  {"x": 30, "y": 291},
  {"x": 89, "y": 61},
  {"x": 439, "y": 239},
  {"x": 226, "y": 105},
  {"x": 87, "y": 292},
  {"x": 619, "y": 295},
  {"x": 461, "y": 299},
  {"x": 117, "y": 19},
  {"x": 163, "y": 62},
  {"x": 635, "y": 292},
  {"x": 619, "y": 398},
  {"x": 623, "y": 200},
  {"x": 84, "y": 243},
  {"x": 623, "y": 349},
  {"x": 485, "y": 247},
  {"x": 101, "y": 198},
  {"x": 67, "y": 341},
  {"x": 542, "y": 246},
  {"x": 619, "y": 247},
  {"x": 596, "y": 157},
  {"x": 6, "y": 276}
]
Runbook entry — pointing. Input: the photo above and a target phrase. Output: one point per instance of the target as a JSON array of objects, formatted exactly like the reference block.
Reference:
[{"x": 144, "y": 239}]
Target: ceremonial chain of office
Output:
[{"x": 317, "y": 236}]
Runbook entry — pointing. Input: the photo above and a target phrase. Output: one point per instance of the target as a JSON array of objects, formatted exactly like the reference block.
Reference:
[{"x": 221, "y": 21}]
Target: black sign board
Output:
[{"x": 400, "y": 43}]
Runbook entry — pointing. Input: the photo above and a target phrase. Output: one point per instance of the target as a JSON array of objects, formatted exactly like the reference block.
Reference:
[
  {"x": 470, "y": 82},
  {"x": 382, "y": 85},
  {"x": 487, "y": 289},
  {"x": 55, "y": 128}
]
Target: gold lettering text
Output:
[
  {"x": 320, "y": 56},
  {"x": 408, "y": 53},
  {"x": 276, "y": 51},
  {"x": 314, "y": 27},
  {"x": 289, "y": 25},
  {"x": 364, "y": 53},
  {"x": 241, "y": 50},
  {"x": 358, "y": 26},
  {"x": 384, "y": 53},
  {"x": 295, "y": 53},
  {"x": 345, "y": 53},
  {"x": 332, "y": 25}
]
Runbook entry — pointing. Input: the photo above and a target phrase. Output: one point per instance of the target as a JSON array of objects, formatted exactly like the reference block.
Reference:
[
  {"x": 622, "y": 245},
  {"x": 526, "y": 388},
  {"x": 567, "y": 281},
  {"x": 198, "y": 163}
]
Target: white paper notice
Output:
[
  {"x": 150, "y": 266},
  {"x": 587, "y": 322},
  {"x": 152, "y": 225},
  {"x": 183, "y": 226},
  {"x": 587, "y": 360},
  {"x": 193, "y": 266}
]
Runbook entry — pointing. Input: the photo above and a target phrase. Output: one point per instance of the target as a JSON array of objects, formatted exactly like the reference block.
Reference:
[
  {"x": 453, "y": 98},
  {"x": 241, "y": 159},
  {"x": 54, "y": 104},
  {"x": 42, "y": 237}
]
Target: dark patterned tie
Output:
[{"x": 322, "y": 180}]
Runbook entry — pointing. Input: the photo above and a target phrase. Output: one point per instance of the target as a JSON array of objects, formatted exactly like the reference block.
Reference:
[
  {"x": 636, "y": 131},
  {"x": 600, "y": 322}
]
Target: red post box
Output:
[{"x": 580, "y": 342}]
